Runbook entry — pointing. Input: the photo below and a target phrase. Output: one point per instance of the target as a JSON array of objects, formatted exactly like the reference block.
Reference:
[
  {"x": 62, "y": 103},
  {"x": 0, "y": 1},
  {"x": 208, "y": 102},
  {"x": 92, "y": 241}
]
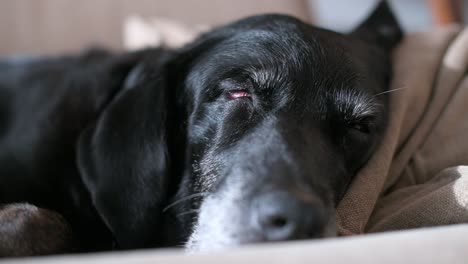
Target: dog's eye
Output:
[
  {"x": 363, "y": 125},
  {"x": 360, "y": 127},
  {"x": 236, "y": 94}
]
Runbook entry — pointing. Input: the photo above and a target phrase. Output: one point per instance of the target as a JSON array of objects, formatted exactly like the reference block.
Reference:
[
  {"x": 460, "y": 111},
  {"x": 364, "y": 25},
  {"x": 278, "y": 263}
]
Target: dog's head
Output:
[{"x": 251, "y": 133}]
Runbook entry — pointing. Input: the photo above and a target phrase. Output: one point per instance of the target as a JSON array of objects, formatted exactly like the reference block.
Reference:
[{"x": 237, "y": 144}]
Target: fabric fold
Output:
[{"x": 407, "y": 183}]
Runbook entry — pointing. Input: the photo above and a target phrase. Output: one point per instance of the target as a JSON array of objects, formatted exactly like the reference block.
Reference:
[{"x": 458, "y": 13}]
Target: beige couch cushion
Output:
[
  {"x": 425, "y": 246},
  {"x": 57, "y": 26}
]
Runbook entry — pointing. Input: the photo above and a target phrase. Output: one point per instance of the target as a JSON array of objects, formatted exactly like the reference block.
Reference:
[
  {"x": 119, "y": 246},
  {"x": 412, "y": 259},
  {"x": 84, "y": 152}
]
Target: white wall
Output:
[{"x": 343, "y": 15}]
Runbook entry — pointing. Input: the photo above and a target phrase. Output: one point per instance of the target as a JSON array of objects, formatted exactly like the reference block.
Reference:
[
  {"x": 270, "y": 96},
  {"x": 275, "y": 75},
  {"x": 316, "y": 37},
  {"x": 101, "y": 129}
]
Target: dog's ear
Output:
[
  {"x": 381, "y": 27},
  {"x": 132, "y": 158},
  {"x": 125, "y": 159}
]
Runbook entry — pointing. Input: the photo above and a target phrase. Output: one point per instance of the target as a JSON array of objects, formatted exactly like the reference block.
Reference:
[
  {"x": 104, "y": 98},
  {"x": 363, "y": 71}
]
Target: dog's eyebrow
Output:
[
  {"x": 355, "y": 104},
  {"x": 366, "y": 107}
]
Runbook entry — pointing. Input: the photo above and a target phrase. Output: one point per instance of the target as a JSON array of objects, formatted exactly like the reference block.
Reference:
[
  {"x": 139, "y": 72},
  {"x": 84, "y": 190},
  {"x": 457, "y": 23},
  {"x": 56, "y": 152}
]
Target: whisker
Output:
[
  {"x": 188, "y": 197},
  {"x": 189, "y": 212},
  {"x": 391, "y": 91}
]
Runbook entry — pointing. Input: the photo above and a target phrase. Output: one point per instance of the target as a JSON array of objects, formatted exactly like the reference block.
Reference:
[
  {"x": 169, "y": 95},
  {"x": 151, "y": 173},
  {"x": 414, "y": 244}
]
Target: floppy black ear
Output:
[
  {"x": 132, "y": 159},
  {"x": 380, "y": 28},
  {"x": 125, "y": 157}
]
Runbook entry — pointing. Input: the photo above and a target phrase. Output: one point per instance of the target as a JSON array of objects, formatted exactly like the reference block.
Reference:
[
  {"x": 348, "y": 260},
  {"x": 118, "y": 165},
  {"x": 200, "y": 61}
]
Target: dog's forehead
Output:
[
  {"x": 294, "y": 47},
  {"x": 301, "y": 59},
  {"x": 273, "y": 54}
]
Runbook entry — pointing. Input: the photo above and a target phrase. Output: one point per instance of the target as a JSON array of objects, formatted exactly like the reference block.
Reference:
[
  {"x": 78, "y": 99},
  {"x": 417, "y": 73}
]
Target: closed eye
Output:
[
  {"x": 237, "y": 94},
  {"x": 363, "y": 125}
]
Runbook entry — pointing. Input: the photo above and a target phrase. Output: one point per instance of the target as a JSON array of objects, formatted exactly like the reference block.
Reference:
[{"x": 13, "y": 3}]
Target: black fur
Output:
[{"x": 285, "y": 111}]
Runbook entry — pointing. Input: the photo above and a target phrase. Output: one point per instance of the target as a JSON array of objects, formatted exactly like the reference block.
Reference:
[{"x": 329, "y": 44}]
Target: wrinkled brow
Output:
[{"x": 356, "y": 104}]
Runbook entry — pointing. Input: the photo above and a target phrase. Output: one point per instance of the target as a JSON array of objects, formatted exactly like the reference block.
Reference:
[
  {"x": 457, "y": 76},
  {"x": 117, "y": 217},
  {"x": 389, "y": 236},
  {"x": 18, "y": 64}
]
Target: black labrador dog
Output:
[{"x": 251, "y": 133}]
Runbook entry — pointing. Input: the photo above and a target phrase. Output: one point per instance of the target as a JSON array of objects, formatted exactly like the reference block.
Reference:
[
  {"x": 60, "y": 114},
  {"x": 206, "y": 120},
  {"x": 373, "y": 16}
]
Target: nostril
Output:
[
  {"x": 277, "y": 222},
  {"x": 276, "y": 227},
  {"x": 276, "y": 216},
  {"x": 279, "y": 216}
]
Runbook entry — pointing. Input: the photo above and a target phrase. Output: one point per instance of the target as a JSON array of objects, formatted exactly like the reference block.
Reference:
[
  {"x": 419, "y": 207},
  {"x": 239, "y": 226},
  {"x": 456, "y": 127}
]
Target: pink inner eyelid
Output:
[{"x": 238, "y": 94}]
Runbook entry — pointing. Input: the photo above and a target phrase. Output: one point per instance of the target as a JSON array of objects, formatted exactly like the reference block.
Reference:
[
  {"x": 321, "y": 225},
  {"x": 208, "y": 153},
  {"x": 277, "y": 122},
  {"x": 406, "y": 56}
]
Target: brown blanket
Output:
[{"x": 417, "y": 177}]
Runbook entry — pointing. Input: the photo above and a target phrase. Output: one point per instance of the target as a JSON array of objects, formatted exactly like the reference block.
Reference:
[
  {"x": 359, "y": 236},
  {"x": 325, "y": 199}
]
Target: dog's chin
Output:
[{"x": 218, "y": 224}]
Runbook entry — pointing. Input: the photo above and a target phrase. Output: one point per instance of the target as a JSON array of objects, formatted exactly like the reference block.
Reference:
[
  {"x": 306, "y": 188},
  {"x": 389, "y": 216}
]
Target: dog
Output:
[{"x": 251, "y": 133}]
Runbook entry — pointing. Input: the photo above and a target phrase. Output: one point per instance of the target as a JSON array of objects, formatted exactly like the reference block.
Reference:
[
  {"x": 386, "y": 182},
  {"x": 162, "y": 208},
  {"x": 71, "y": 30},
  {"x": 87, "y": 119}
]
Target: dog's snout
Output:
[{"x": 281, "y": 216}]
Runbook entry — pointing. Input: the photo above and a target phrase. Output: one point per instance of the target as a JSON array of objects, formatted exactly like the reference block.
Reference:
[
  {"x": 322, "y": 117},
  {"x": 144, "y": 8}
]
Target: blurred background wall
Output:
[
  {"x": 57, "y": 26},
  {"x": 53, "y": 26}
]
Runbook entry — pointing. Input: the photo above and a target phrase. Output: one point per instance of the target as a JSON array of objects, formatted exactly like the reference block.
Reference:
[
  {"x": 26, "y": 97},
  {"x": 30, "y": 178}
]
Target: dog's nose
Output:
[{"x": 281, "y": 216}]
